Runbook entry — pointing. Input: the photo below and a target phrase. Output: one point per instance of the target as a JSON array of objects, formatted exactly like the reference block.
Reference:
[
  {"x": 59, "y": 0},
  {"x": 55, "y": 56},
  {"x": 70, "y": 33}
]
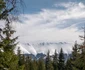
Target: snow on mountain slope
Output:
[
  {"x": 30, "y": 48},
  {"x": 43, "y": 47},
  {"x": 25, "y": 49}
]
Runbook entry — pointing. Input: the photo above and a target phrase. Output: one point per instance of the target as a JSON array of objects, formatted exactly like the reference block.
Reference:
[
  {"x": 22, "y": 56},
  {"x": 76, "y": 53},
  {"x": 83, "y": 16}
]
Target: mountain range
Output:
[
  {"x": 43, "y": 47},
  {"x": 30, "y": 50}
]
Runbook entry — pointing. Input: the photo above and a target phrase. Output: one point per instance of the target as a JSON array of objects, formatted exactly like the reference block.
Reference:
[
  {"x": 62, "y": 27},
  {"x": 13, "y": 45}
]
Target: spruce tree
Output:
[
  {"x": 8, "y": 59},
  {"x": 21, "y": 59},
  {"x": 68, "y": 65},
  {"x": 35, "y": 65},
  {"x": 75, "y": 51},
  {"x": 75, "y": 59},
  {"x": 27, "y": 63},
  {"x": 61, "y": 65},
  {"x": 55, "y": 61},
  {"x": 81, "y": 56},
  {"x": 41, "y": 64},
  {"x": 7, "y": 44},
  {"x": 48, "y": 64}
]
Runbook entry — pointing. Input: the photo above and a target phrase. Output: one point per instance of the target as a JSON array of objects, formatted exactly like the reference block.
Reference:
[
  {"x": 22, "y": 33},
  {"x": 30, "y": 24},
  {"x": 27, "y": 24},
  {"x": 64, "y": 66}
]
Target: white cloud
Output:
[
  {"x": 44, "y": 26},
  {"x": 73, "y": 10}
]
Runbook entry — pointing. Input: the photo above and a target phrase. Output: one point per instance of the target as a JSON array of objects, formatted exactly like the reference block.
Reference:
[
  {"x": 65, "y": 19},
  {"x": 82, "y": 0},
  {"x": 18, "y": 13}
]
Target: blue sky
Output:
[{"x": 34, "y": 6}]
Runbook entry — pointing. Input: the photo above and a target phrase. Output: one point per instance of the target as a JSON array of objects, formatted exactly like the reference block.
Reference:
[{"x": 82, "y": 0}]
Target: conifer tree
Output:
[
  {"x": 8, "y": 59},
  {"x": 22, "y": 61},
  {"x": 81, "y": 57},
  {"x": 35, "y": 65},
  {"x": 75, "y": 57},
  {"x": 55, "y": 61},
  {"x": 27, "y": 63},
  {"x": 7, "y": 44},
  {"x": 75, "y": 51},
  {"x": 68, "y": 65},
  {"x": 48, "y": 62},
  {"x": 61, "y": 65},
  {"x": 41, "y": 64}
]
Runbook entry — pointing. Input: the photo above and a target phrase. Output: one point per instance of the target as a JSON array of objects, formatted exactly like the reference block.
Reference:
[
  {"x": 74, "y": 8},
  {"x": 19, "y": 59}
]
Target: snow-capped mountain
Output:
[
  {"x": 30, "y": 50},
  {"x": 43, "y": 47},
  {"x": 25, "y": 49},
  {"x": 51, "y": 43}
]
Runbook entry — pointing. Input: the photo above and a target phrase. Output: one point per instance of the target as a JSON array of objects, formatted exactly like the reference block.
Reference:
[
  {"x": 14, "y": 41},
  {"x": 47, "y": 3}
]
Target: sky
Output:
[{"x": 50, "y": 21}]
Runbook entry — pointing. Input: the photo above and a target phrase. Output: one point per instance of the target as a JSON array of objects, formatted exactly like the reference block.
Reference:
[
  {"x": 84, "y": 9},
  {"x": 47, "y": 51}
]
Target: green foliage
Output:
[
  {"x": 27, "y": 63},
  {"x": 8, "y": 59},
  {"x": 61, "y": 65},
  {"x": 75, "y": 51},
  {"x": 2, "y": 6},
  {"x": 48, "y": 65},
  {"x": 68, "y": 65},
  {"x": 55, "y": 61},
  {"x": 8, "y": 42},
  {"x": 79, "y": 63},
  {"x": 41, "y": 64},
  {"x": 78, "y": 58}
]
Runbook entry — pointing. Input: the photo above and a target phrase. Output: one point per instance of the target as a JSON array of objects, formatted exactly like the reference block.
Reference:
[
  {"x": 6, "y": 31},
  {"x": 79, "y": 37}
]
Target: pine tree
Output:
[
  {"x": 41, "y": 64},
  {"x": 48, "y": 62},
  {"x": 61, "y": 65},
  {"x": 68, "y": 65},
  {"x": 21, "y": 60},
  {"x": 77, "y": 58},
  {"x": 81, "y": 56},
  {"x": 27, "y": 63},
  {"x": 7, "y": 44},
  {"x": 35, "y": 65},
  {"x": 55, "y": 61},
  {"x": 75, "y": 51},
  {"x": 8, "y": 59}
]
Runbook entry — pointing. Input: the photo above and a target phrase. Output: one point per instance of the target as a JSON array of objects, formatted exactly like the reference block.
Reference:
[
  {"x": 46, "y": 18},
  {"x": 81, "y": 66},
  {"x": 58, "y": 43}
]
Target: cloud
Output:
[
  {"x": 72, "y": 11},
  {"x": 51, "y": 25}
]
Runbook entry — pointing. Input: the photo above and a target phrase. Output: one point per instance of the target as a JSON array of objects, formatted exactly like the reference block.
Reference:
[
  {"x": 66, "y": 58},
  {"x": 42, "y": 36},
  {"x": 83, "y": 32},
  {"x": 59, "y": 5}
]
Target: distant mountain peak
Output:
[{"x": 52, "y": 43}]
